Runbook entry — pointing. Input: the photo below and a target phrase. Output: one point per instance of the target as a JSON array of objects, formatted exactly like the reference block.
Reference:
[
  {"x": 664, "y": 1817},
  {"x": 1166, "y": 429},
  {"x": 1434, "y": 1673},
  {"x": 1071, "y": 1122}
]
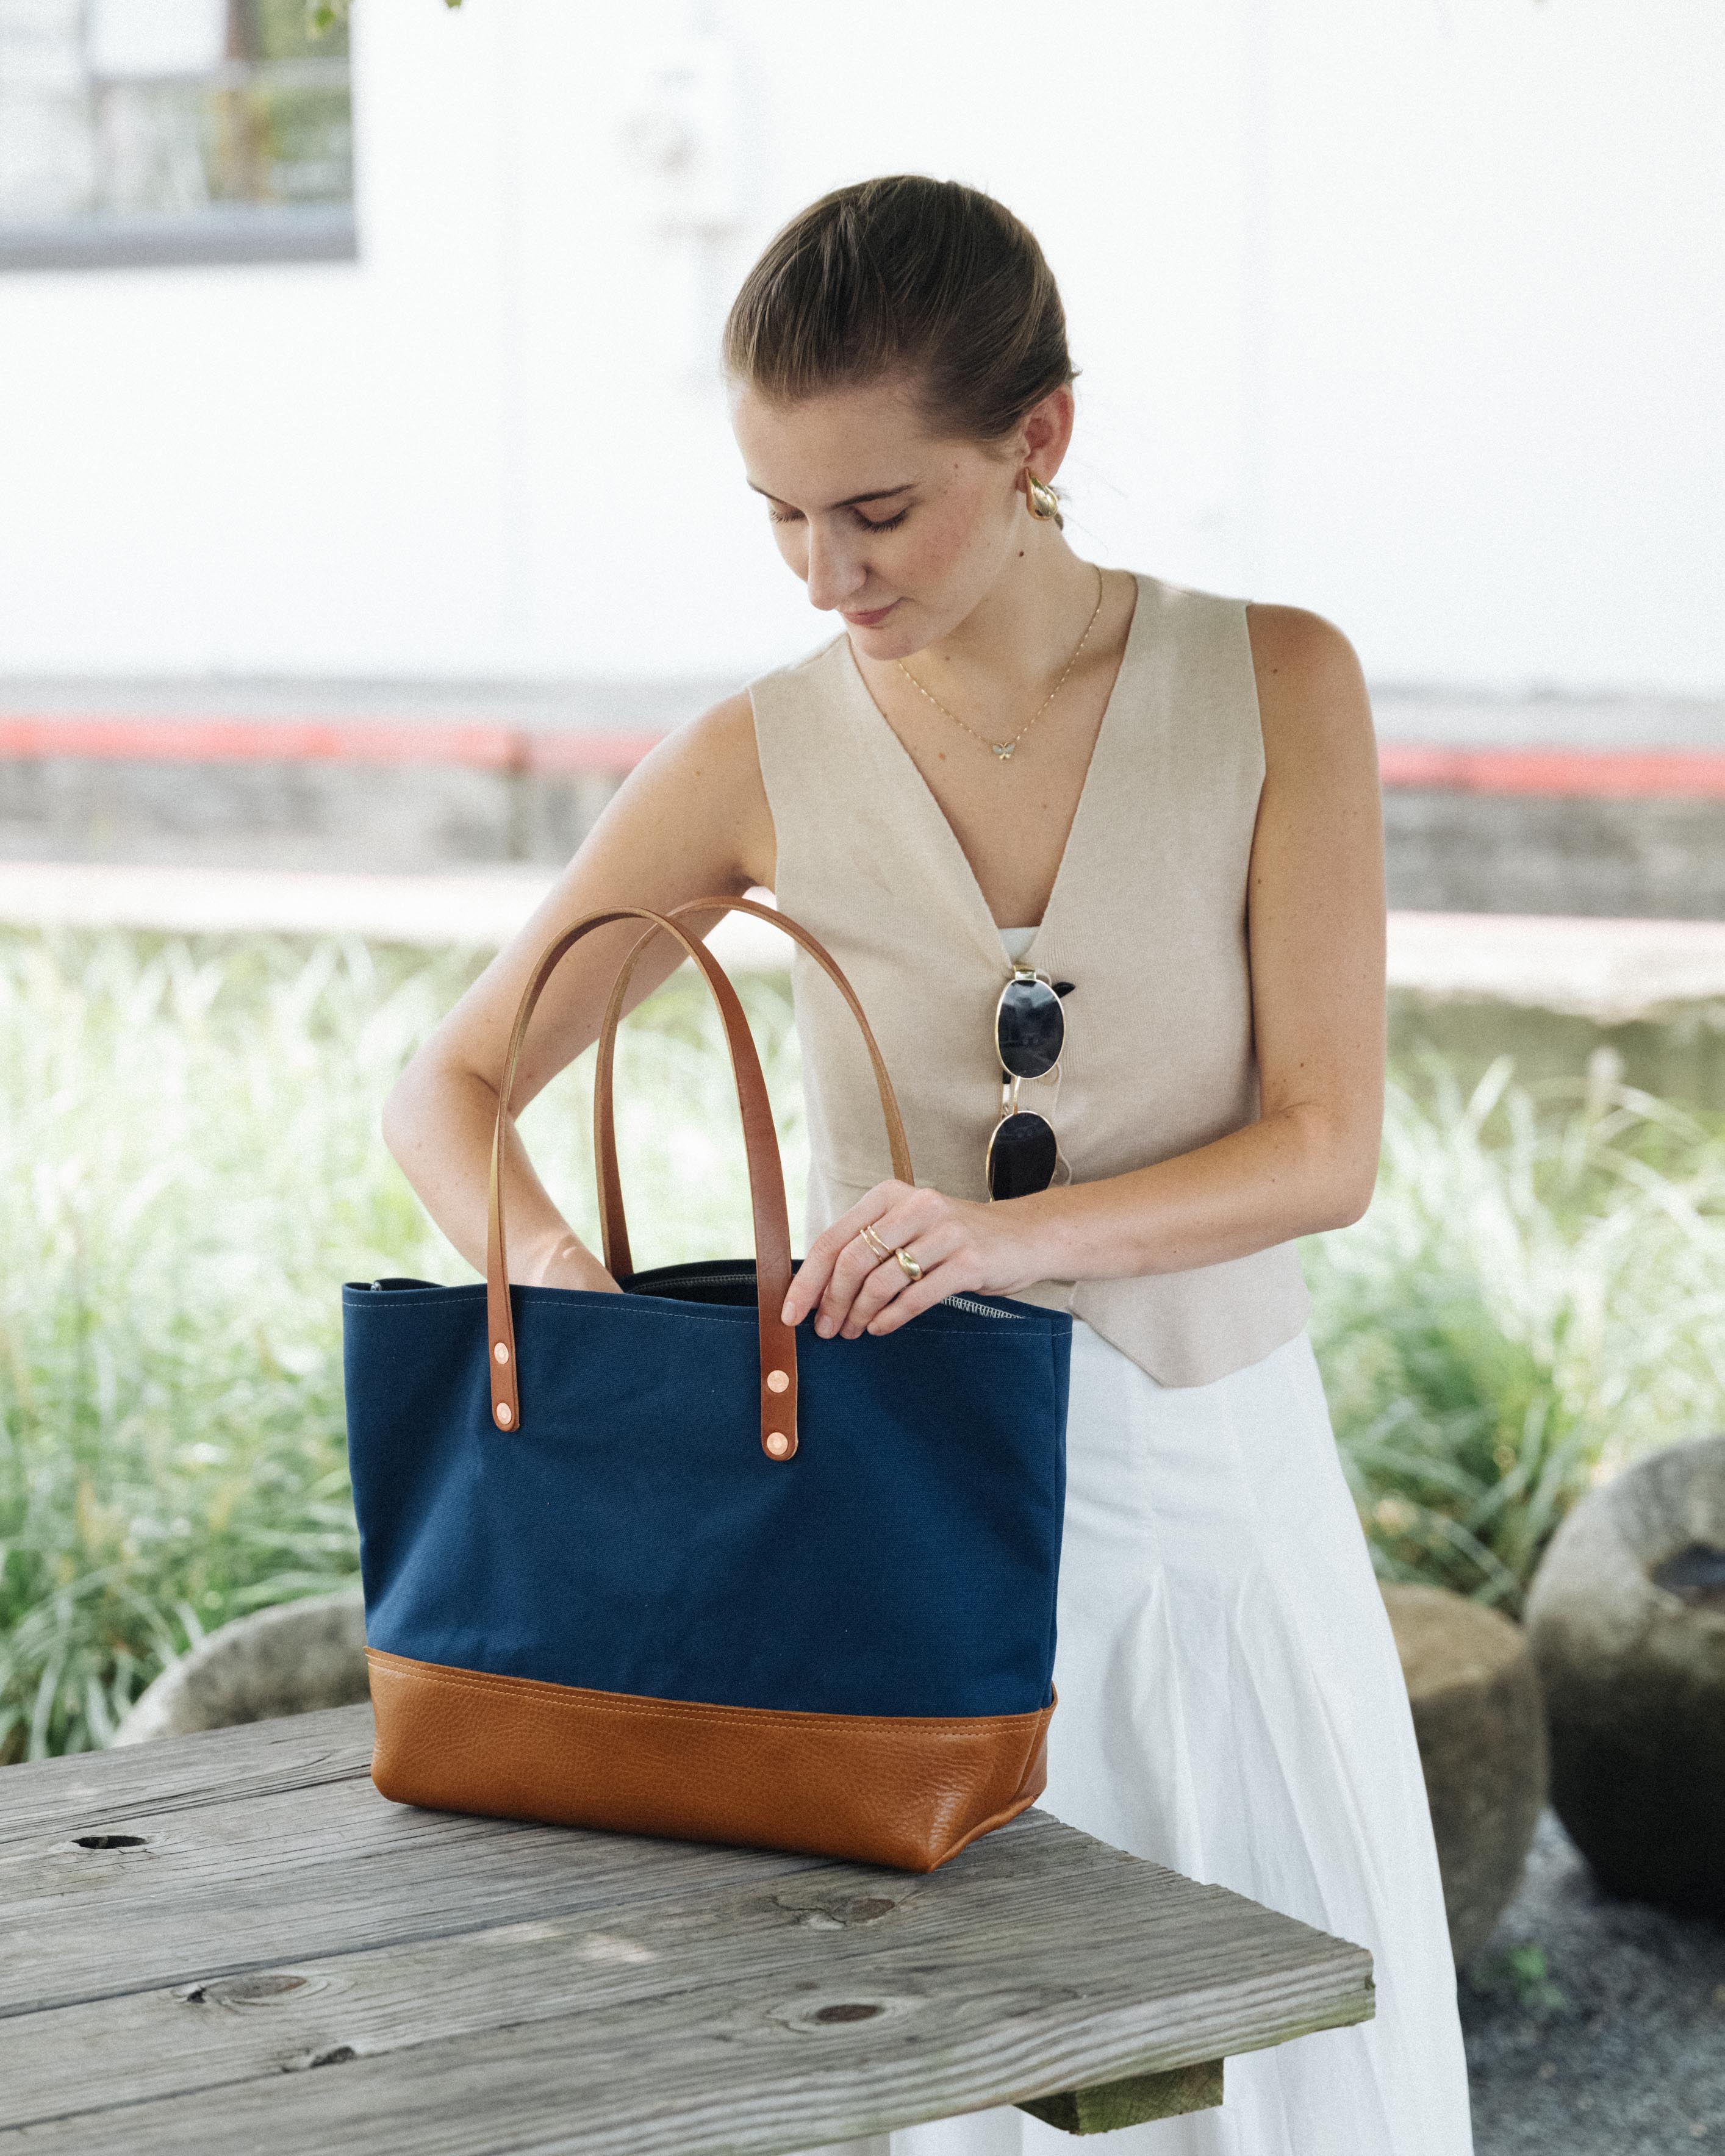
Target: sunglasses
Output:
[{"x": 1030, "y": 1033}]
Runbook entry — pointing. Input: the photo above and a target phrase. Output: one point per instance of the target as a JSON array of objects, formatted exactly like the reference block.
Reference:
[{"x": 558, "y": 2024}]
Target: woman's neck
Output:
[{"x": 1020, "y": 635}]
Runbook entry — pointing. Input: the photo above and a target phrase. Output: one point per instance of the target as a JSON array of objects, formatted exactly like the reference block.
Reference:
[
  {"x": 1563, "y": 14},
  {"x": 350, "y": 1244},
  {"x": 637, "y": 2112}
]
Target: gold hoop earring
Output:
[{"x": 1041, "y": 500}]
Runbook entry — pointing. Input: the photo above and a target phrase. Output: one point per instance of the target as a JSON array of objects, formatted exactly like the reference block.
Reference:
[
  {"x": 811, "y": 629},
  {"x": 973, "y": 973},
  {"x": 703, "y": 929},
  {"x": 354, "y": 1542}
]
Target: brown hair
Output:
[{"x": 905, "y": 275}]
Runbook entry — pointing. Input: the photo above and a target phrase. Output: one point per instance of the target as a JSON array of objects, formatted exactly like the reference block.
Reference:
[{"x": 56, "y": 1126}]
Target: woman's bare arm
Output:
[
  {"x": 1315, "y": 927},
  {"x": 1314, "y": 917},
  {"x": 690, "y": 819}
]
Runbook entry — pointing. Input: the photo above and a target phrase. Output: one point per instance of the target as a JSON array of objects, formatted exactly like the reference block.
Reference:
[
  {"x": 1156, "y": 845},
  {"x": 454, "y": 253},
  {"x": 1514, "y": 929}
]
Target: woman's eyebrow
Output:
[{"x": 881, "y": 494}]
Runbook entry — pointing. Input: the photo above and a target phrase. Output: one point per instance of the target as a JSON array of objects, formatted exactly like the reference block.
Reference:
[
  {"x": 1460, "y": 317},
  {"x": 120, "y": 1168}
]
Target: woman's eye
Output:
[{"x": 883, "y": 524}]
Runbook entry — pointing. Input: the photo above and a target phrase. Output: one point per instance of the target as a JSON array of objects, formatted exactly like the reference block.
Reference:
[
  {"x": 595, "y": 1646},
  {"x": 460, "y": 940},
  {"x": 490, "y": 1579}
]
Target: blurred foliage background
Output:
[{"x": 190, "y": 1166}]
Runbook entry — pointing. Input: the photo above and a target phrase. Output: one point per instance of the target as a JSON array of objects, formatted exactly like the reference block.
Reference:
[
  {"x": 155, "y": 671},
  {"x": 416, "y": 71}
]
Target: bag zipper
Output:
[
  {"x": 702, "y": 1279},
  {"x": 711, "y": 1280}
]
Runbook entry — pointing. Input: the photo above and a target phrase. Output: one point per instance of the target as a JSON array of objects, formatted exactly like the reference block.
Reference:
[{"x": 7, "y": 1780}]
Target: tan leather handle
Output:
[
  {"x": 613, "y": 1226},
  {"x": 773, "y": 1235}
]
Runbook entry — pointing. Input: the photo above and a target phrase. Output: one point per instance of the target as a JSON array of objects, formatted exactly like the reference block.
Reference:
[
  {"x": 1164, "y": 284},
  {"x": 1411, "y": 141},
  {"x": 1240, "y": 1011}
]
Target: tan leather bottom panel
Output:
[{"x": 907, "y": 1791}]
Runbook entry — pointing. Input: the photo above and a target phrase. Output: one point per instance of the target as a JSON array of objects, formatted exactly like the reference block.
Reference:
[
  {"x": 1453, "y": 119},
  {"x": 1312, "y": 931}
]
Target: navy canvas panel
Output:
[{"x": 634, "y": 1537}]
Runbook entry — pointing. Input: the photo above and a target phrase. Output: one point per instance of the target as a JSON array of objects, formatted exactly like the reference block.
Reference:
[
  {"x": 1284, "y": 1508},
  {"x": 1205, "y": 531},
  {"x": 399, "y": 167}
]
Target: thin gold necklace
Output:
[{"x": 1004, "y": 749}]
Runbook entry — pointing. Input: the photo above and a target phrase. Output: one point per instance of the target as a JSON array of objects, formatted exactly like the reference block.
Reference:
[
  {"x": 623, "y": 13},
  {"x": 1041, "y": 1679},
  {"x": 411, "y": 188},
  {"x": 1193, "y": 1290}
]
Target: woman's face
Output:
[{"x": 900, "y": 533}]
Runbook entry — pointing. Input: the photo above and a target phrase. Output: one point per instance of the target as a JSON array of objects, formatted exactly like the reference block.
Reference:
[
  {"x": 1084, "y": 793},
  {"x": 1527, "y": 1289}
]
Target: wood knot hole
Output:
[
  {"x": 850, "y": 2010},
  {"x": 868, "y": 1909},
  {"x": 110, "y": 1840},
  {"x": 243, "y": 1990},
  {"x": 831, "y": 1911}
]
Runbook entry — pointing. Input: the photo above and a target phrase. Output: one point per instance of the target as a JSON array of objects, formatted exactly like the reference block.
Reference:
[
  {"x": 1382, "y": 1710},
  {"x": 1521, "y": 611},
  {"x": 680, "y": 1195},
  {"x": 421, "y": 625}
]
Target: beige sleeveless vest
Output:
[{"x": 1147, "y": 919}]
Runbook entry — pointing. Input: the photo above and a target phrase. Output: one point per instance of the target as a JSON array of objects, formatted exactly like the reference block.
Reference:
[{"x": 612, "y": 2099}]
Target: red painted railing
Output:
[
  {"x": 1608, "y": 773},
  {"x": 483, "y": 743},
  {"x": 488, "y": 745}
]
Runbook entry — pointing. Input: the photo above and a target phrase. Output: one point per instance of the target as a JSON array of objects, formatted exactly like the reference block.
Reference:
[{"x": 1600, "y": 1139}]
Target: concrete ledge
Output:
[
  {"x": 1619, "y": 852},
  {"x": 1613, "y": 809},
  {"x": 479, "y": 910},
  {"x": 1613, "y": 972}
]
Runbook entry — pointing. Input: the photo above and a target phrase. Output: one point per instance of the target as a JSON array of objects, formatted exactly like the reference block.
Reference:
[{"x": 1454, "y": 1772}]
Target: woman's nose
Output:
[{"x": 833, "y": 575}]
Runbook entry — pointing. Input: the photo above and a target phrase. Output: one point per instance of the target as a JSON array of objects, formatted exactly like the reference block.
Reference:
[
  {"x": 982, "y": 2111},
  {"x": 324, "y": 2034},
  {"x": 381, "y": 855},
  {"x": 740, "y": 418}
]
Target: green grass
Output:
[
  {"x": 190, "y": 1166},
  {"x": 1536, "y": 1296}
]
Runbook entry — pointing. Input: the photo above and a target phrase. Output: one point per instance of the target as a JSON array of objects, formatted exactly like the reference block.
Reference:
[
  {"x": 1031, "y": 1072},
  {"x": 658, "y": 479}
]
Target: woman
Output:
[{"x": 1156, "y": 812}]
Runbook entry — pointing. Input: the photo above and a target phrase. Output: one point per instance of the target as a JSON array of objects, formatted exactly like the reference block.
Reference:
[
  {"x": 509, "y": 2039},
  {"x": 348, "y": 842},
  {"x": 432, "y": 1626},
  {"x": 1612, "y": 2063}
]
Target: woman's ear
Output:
[{"x": 1046, "y": 432}]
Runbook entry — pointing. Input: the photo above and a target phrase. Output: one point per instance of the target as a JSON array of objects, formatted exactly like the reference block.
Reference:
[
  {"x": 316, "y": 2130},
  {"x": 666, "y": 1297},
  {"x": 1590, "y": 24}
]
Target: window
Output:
[{"x": 173, "y": 130}]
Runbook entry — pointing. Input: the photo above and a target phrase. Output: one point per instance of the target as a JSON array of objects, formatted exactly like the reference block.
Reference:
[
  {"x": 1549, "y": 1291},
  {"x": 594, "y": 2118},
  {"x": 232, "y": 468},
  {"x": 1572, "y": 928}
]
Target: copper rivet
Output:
[
  {"x": 504, "y": 1414},
  {"x": 778, "y": 1444},
  {"x": 777, "y": 1382},
  {"x": 500, "y": 1351}
]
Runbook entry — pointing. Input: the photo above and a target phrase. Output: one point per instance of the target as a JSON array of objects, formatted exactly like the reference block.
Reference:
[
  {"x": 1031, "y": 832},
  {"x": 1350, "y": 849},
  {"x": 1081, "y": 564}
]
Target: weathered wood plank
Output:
[
  {"x": 261, "y": 1758},
  {"x": 648, "y": 1996},
  {"x": 1038, "y": 1961},
  {"x": 1089, "y": 1920},
  {"x": 750, "y": 2060},
  {"x": 220, "y": 1887},
  {"x": 1139, "y": 2100}
]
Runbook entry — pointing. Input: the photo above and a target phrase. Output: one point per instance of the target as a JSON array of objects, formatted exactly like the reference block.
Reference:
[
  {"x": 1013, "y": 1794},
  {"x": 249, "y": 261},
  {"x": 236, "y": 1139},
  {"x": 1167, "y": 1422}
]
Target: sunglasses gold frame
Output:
[{"x": 1010, "y": 1080}]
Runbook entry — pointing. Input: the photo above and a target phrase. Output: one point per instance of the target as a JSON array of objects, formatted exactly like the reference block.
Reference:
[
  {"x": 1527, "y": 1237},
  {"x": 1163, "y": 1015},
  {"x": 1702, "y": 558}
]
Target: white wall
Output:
[
  {"x": 1407, "y": 310},
  {"x": 1489, "y": 340}
]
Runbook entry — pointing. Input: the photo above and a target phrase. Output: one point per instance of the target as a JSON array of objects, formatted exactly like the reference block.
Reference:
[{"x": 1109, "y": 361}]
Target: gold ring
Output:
[
  {"x": 874, "y": 1242},
  {"x": 912, "y": 1271}
]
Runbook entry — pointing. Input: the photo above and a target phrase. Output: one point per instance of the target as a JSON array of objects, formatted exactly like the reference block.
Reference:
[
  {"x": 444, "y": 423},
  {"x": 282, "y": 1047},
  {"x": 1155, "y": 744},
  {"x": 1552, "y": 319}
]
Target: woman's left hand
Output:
[{"x": 960, "y": 1245}]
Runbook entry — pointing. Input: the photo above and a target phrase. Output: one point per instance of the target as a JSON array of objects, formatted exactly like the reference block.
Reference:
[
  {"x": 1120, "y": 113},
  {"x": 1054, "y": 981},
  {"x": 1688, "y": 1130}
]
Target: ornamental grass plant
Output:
[
  {"x": 190, "y": 1166},
  {"x": 1535, "y": 1297}
]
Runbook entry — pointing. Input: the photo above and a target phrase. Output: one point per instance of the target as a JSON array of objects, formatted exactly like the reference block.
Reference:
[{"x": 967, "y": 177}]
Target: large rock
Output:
[
  {"x": 288, "y": 1660},
  {"x": 1476, "y": 1713},
  {"x": 1627, "y": 1619}
]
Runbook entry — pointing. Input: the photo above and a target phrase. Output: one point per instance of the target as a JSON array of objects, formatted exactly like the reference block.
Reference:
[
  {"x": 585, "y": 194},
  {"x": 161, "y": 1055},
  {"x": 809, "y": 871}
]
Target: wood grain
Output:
[
  {"x": 1097, "y": 1926},
  {"x": 290, "y": 1963},
  {"x": 227, "y": 1885},
  {"x": 743, "y": 2061},
  {"x": 263, "y": 1758}
]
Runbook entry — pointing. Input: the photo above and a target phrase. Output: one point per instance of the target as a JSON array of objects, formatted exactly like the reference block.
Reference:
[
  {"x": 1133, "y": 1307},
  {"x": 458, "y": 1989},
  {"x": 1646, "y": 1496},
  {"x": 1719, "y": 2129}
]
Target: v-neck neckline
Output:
[{"x": 891, "y": 749}]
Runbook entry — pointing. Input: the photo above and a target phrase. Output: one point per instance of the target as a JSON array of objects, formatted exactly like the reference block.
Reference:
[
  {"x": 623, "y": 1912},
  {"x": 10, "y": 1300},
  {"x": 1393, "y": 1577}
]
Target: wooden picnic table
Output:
[{"x": 231, "y": 1942}]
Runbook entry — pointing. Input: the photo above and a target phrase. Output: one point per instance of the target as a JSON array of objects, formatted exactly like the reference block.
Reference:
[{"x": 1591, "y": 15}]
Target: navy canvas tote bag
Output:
[{"x": 658, "y": 1562}]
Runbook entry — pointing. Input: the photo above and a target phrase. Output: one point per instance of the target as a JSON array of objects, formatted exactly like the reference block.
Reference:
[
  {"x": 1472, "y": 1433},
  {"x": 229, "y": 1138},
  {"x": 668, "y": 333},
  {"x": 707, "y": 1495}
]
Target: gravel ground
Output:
[{"x": 1594, "y": 2027}]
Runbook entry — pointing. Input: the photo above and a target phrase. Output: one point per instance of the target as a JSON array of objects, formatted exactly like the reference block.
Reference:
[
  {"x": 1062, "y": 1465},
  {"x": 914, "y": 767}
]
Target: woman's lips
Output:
[{"x": 868, "y": 620}]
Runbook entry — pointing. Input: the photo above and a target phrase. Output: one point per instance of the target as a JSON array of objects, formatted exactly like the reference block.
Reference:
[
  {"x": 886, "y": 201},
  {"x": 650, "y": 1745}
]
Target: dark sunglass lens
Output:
[
  {"x": 1021, "y": 1155},
  {"x": 1031, "y": 1027}
]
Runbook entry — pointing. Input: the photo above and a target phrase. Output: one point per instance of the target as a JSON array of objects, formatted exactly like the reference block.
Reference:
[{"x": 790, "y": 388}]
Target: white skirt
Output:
[{"x": 1231, "y": 1705}]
